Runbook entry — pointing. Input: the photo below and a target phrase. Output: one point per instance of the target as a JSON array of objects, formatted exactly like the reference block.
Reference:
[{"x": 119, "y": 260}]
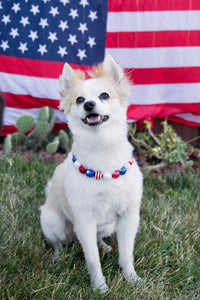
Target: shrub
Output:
[{"x": 165, "y": 147}]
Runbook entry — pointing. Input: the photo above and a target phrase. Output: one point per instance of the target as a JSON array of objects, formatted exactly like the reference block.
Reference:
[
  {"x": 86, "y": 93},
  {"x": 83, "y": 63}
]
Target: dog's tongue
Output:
[{"x": 93, "y": 118}]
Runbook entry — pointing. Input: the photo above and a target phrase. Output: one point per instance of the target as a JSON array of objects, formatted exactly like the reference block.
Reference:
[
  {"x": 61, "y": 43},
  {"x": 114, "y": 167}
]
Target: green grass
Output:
[{"x": 167, "y": 250}]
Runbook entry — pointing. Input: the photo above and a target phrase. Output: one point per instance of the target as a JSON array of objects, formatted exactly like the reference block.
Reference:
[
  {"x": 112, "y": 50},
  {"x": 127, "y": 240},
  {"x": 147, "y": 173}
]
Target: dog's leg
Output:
[
  {"x": 87, "y": 235},
  {"x": 54, "y": 229},
  {"x": 126, "y": 233},
  {"x": 104, "y": 231},
  {"x": 106, "y": 248}
]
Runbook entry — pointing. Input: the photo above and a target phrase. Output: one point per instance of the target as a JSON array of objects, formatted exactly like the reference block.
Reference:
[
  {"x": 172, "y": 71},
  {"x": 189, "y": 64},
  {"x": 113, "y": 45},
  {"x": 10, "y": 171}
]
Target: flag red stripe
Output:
[
  {"x": 138, "y": 112},
  {"x": 152, "y": 39},
  {"x": 8, "y": 129},
  {"x": 164, "y": 75},
  {"x": 152, "y": 5},
  {"x": 28, "y": 101},
  {"x": 30, "y": 67}
]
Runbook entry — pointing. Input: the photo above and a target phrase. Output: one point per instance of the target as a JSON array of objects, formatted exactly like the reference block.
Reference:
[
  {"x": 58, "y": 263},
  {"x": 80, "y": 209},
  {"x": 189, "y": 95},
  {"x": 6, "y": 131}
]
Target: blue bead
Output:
[
  {"x": 123, "y": 171},
  {"x": 74, "y": 158},
  {"x": 89, "y": 173}
]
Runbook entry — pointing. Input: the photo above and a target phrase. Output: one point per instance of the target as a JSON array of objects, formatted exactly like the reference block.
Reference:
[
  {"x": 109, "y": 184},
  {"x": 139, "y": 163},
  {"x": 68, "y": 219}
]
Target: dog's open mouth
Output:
[{"x": 95, "y": 119}]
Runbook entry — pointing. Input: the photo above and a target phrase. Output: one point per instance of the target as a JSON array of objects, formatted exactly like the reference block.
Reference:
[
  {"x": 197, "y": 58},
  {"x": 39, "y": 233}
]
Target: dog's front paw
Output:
[
  {"x": 134, "y": 279},
  {"x": 102, "y": 287},
  {"x": 106, "y": 248}
]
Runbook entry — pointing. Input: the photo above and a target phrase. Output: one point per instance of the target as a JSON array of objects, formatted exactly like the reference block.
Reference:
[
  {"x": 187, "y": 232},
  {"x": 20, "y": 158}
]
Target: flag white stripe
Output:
[
  {"x": 153, "y": 21},
  {"x": 189, "y": 117},
  {"x": 141, "y": 94},
  {"x": 165, "y": 93},
  {"x": 161, "y": 57},
  {"x": 29, "y": 85},
  {"x": 11, "y": 115}
]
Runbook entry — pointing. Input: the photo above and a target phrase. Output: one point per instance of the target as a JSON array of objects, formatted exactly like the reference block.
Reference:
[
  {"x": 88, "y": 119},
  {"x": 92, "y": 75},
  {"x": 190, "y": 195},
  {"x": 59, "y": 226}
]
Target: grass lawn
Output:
[{"x": 167, "y": 250}]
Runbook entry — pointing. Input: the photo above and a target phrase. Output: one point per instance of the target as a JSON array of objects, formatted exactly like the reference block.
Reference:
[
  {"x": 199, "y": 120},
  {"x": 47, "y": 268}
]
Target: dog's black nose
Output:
[{"x": 89, "y": 105}]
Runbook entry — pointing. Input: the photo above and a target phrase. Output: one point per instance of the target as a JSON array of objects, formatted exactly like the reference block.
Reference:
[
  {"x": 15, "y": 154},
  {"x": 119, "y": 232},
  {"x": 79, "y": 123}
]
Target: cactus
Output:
[
  {"x": 17, "y": 138},
  {"x": 8, "y": 145},
  {"x": 50, "y": 113},
  {"x": 41, "y": 129},
  {"x": 52, "y": 122},
  {"x": 53, "y": 146},
  {"x": 25, "y": 123},
  {"x": 64, "y": 140},
  {"x": 40, "y": 137},
  {"x": 44, "y": 114}
]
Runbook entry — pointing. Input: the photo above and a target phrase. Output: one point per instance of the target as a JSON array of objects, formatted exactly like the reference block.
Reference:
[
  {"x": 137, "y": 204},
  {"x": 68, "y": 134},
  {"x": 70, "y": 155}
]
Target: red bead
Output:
[
  {"x": 82, "y": 169},
  {"x": 116, "y": 174}
]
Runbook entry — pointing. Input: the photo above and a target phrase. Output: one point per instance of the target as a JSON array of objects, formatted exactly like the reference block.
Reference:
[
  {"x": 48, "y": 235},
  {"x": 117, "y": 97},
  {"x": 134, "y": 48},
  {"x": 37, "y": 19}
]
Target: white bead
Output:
[
  {"x": 107, "y": 176},
  {"x": 127, "y": 165},
  {"x": 77, "y": 164}
]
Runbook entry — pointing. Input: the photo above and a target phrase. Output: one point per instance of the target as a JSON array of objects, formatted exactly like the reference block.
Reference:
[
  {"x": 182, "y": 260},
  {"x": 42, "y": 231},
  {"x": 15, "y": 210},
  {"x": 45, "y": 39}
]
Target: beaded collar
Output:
[{"x": 98, "y": 175}]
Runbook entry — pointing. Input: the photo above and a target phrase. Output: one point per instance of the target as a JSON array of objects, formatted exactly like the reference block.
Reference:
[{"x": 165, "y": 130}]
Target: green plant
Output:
[
  {"x": 37, "y": 136},
  {"x": 166, "y": 147}
]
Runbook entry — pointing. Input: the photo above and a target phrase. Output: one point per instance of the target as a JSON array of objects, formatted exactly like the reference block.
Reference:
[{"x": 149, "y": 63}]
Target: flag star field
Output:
[{"x": 54, "y": 30}]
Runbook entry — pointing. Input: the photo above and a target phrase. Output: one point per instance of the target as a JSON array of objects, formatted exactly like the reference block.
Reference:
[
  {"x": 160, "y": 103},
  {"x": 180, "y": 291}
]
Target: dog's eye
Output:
[
  {"x": 104, "y": 96},
  {"x": 80, "y": 100}
]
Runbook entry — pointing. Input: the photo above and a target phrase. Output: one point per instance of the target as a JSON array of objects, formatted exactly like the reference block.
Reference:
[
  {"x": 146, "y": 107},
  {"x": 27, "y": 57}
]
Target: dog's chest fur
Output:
[{"x": 101, "y": 199}]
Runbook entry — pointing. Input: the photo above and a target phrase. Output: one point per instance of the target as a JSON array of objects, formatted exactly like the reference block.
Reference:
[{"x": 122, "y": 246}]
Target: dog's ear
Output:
[
  {"x": 113, "y": 69},
  {"x": 66, "y": 77},
  {"x": 118, "y": 77}
]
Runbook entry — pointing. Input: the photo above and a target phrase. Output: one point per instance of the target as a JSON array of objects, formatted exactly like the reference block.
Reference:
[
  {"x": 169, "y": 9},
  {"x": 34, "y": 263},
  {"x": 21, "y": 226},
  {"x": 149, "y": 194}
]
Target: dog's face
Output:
[{"x": 96, "y": 102}]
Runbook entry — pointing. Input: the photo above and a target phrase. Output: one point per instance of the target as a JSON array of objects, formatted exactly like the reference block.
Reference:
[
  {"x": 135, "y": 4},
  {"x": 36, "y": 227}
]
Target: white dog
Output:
[{"x": 97, "y": 190}]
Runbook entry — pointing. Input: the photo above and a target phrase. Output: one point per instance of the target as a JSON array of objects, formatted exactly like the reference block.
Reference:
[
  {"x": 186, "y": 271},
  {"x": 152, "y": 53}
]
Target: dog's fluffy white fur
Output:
[{"x": 85, "y": 208}]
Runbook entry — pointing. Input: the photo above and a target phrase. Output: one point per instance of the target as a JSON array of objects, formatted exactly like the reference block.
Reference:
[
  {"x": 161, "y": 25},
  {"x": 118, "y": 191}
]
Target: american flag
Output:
[{"x": 157, "y": 42}]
